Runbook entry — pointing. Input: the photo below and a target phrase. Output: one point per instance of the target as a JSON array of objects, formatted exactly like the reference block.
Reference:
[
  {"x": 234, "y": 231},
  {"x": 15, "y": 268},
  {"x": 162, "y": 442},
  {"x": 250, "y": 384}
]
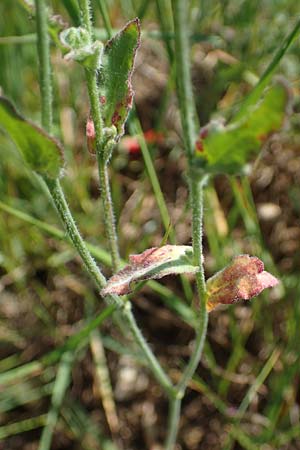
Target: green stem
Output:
[
  {"x": 85, "y": 9},
  {"x": 173, "y": 422},
  {"x": 73, "y": 233},
  {"x": 157, "y": 370},
  {"x": 184, "y": 85},
  {"x": 109, "y": 217},
  {"x": 69, "y": 223},
  {"x": 184, "y": 89},
  {"x": 43, "y": 45},
  {"x": 67, "y": 218},
  {"x": 100, "y": 281},
  {"x": 196, "y": 198}
]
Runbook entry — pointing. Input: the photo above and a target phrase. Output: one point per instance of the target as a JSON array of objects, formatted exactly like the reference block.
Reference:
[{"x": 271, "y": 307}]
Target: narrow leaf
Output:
[
  {"x": 115, "y": 75},
  {"x": 229, "y": 148},
  {"x": 155, "y": 262},
  {"x": 62, "y": 381},
  {"x": 42, "y": 152}
]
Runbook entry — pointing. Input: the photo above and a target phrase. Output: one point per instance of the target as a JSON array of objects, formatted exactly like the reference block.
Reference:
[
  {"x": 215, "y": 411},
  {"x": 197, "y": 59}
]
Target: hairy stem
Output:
[
  {"x": 185, "y": 97},
  {"x": 100, "y": 281},
  {"x": 73, "y": 233},
  {"x": 85, "y": 9},
  {"x": 94, "y": 96},
  {"x": 183, "y": 79},
  {"x": 64, "y": 212},
  {"x": 109, "y": 217},
  {"x": 43, "y": 45}
]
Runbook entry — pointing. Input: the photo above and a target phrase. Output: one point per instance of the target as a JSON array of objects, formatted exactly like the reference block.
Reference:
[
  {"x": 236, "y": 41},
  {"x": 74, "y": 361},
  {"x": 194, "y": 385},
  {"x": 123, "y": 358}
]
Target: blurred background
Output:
[{"x": 245, "y": 394}]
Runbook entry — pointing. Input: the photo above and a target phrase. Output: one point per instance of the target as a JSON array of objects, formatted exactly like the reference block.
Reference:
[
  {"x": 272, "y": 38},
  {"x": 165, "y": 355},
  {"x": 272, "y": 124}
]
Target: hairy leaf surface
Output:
[
  {"x": 115, "y": 75},
  {"x": 155, "y": 262}
]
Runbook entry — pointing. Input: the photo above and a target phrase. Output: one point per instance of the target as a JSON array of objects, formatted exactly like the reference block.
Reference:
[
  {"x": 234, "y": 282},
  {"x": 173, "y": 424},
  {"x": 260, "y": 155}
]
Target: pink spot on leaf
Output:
[
  {"x": 90, "y": 136},
  {"x": 199, "y": 146}
]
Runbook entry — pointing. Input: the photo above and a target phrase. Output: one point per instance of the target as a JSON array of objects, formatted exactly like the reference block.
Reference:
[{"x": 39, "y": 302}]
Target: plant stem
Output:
[
  {"x": 184, "y": 85},
  {"x": 43, "y": 45},
  {"x": 109, "y": 217},
  {"x": 70, "y": 225},
  {"x": 100, "y": 281},
  {"x": 85, "y": 9},
  {"x": 173, "y": 422},
  {"x": 157, "y": 370},
  {"x": 185, "y": 96},
  {"x": 73, "y": 233},
  {"x": 196, "y": 198},
  {"x": 94, "y": 96}
]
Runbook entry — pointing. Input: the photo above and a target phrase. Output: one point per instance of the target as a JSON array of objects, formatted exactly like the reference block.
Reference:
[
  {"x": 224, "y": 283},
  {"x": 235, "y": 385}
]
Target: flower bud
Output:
[{"x": 79, "y": 47}]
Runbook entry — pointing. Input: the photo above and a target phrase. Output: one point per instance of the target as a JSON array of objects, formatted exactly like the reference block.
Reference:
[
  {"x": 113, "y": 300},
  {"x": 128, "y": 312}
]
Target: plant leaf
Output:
[
  {"x": 42, "y": 152},
  {"x": 228, "y": 148},
  {"x": 115, "y": 75},
  {"x": 242, "y": 279},
  {"x": 155, "y": 262}
]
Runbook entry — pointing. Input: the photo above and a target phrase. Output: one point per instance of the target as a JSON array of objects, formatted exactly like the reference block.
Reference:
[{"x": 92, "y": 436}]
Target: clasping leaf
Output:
[
  {"x": 115, "y": 76},
  {"x": 155, "y": 262},
  {"x": 228, "y": 148}
]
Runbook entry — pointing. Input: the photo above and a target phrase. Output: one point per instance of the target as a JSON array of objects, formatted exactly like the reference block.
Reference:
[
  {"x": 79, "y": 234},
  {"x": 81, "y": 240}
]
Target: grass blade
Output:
[{"x": 60, "y": 386}]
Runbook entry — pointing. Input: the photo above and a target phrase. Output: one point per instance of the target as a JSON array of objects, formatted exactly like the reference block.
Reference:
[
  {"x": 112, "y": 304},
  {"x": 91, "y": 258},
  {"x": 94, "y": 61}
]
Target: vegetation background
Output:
[{"x": 246, "y": 392}]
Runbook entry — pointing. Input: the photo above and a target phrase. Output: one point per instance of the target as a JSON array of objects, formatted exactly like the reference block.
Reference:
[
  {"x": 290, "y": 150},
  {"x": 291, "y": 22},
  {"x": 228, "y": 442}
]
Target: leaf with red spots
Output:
[
  {"x": 243, "y": 279},
  {"x": 155, "y": 262},
  {"x": 228, "y": 148},
  {"x": 115, "y": 76}
]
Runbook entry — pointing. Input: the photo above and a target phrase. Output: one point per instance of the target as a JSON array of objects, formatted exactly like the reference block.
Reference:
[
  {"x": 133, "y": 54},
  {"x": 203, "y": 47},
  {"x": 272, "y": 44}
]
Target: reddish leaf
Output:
[
  {"x": 155, "y": 262},
  {"x": 243, "y": 279}
]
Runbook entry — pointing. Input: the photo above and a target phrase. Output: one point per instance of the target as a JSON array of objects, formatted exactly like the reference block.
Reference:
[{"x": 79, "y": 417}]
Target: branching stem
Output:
[
  {"x": 100, "y": 281},
  {"x": 65, "y": 214}
]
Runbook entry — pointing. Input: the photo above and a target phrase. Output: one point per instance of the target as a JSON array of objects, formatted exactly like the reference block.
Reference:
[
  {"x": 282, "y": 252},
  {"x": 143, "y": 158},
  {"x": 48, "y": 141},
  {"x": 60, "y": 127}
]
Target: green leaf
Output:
[
  {"x": 155, "y": 262},
  {"x": 42, "y": 152},
  {"x": 115, "y": 75},
  {"x": 229, "y": 148}
]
